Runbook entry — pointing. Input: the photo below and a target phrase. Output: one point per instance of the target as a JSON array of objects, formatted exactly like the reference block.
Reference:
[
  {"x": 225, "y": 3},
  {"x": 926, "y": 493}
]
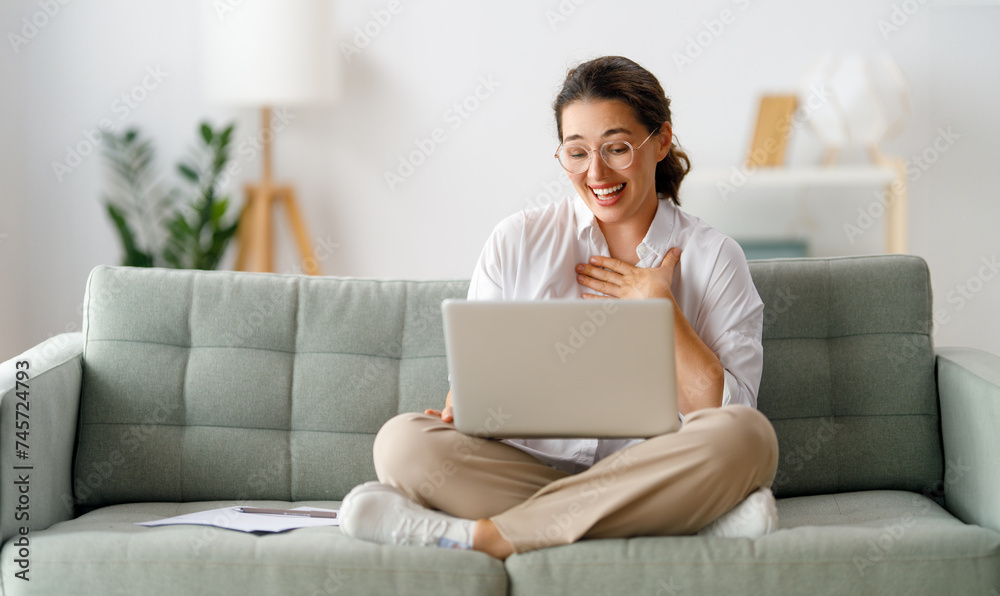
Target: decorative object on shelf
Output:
[
  {"x": 855, "y": 99},
  {"x": 773, "y": 248},
  {"x": 774, "y": 120},
  {"x": 868, "y": 105},
  {"x": 270, "y": 53},
  {"x": 183, "y": 228},
  {"x": 824, "y": 116}
]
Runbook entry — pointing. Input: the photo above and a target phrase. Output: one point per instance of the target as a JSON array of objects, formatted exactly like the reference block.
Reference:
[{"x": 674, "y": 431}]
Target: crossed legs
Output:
[{"x": 672, "y": 484}]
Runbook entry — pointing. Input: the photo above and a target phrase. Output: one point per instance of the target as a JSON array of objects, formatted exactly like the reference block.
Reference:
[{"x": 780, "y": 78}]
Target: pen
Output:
[{"x": 290, "y": 512}]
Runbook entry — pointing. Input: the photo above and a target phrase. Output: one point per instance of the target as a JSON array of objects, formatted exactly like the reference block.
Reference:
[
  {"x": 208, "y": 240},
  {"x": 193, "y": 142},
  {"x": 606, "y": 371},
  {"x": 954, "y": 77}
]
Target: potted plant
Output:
[{"x": 186, "y": 227}]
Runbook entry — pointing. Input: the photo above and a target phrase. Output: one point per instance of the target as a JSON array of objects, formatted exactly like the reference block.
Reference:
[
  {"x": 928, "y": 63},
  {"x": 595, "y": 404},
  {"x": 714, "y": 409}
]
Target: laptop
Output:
[{"x": 562, "y": 368}]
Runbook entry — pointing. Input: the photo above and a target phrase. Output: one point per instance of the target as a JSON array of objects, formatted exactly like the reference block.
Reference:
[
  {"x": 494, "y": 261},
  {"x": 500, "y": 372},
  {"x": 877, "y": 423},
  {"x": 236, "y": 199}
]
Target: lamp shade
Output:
[{"x": 269, "y": 52}]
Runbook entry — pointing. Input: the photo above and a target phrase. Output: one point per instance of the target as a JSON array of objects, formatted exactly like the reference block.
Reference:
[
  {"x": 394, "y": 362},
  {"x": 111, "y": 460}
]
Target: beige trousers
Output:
[{"x": 672, "y": 484}]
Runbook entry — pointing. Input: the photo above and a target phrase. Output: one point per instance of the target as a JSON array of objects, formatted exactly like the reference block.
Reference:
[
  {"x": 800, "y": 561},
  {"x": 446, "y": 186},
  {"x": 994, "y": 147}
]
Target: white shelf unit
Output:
[{"x": 892, "y": 176}]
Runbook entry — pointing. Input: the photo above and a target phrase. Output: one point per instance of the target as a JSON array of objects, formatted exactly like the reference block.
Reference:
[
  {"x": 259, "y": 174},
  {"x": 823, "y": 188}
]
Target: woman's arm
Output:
[{"x": 699, "y": 371}]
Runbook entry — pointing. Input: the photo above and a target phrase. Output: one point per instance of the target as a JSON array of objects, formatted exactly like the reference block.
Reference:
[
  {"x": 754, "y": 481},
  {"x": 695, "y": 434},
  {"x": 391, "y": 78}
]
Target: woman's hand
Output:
[
  {"x": 700, "y": 376},
  {"x": 445, "y": 414},
  {"x": 618, "y": 279}
]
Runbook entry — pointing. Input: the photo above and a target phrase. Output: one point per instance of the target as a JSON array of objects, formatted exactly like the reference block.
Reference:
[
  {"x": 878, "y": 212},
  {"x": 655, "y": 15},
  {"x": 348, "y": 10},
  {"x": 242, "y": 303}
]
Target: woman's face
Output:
[{"x": 614, "y": 196}]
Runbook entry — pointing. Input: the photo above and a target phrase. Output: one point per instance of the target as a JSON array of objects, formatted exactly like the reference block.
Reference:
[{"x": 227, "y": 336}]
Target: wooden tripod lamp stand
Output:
[
  {"x": 270, "y": 53},
  {"x": 256, "y": 232}
]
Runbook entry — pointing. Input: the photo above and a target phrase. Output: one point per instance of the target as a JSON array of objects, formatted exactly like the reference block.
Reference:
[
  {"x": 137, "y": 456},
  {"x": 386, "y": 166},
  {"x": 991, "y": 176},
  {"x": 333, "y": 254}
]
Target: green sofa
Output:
[{"x": 190, "y": 390}]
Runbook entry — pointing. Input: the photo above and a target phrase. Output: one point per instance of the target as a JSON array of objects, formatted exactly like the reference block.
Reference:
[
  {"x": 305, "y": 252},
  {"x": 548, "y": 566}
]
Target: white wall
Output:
[
  {"x": 14, "y": 335},
  {"x": 400, "y": 87},
  {"x": 956, "y": 226}
]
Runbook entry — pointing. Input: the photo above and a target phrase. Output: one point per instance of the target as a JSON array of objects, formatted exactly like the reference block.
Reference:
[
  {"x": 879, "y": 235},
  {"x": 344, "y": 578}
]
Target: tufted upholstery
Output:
[
  {"x": 200, "y": 386},
  {"x": 848, "y": 379},
  {"x": 215, "y": 385}
]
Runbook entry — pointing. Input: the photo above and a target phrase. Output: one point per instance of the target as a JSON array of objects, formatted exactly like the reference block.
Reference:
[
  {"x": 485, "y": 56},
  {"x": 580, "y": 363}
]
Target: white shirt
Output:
[{"x": 533, "y": 254}]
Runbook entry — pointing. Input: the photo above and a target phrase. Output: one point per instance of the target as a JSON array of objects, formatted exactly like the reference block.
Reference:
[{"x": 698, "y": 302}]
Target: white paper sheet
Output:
[{"x": 231, "y": 519}]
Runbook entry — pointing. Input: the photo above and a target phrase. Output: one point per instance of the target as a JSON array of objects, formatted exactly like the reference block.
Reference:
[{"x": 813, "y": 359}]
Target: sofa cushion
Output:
[
  {"x": 105, "y": 553},
  {"x": 848, "y": 379},
  {"x": 220, "y": 385},
  {"x": 852, "y": 543}
]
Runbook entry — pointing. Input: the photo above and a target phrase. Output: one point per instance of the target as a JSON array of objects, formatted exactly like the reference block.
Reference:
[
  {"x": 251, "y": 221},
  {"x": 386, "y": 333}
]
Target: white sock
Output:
[{"x": 459, "y": 534}]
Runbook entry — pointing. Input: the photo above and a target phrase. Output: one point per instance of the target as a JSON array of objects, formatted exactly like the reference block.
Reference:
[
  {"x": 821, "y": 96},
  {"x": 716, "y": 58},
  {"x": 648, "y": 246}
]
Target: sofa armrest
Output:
[
  {"x": 969, "y": 392},
  {"x": 42, "y": 494}
]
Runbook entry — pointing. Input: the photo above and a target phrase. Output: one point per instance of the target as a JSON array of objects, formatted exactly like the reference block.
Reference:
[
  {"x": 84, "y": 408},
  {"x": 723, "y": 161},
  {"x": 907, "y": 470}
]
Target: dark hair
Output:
[{"x": 615, "y": 77}]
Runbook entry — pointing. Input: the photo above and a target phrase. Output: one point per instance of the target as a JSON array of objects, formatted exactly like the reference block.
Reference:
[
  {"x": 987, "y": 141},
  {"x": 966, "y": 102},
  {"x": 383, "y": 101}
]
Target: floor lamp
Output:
[
  {"x": 270, "y": 53},
  {"x": 255, "y": 235}
]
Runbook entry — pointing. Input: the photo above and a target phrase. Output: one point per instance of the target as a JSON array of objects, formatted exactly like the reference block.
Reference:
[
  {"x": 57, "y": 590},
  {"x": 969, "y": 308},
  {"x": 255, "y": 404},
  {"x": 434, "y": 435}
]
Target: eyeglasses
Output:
[{"x": 617, "y": 154}]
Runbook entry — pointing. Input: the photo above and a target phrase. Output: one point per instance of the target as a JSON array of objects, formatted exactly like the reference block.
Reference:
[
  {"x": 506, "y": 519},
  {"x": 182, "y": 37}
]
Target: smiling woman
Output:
[
  {"x": 619, "y": 79},
  {"x": 622, "y": 236}
]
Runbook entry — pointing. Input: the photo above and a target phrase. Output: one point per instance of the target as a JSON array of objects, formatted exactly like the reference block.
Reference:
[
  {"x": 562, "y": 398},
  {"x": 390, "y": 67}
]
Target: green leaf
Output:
[
  {"x": 219, "y": 210},
  {"x": 184, "y": 226},
  {"x": 122, "y": 170},
  {"x": 145, "y": 146},
  {"x": 143, "y": 162},
  {"x": 171, "y": 258},
  {"x": 206, "y": 133},
  {"x": 226, "y": 135},
  {"x": 188, "y": 172},
  {"x": 134, "y": 257},
  {"x": 219, "y": 163}
]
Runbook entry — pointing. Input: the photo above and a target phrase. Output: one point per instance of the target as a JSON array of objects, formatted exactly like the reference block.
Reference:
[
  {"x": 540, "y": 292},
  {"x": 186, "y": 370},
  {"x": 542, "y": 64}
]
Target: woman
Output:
[{"x": 623, "y": 236}]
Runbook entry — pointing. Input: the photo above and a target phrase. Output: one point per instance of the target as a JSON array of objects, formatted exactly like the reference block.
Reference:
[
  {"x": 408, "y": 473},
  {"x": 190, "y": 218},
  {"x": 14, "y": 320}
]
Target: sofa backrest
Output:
[
  {"x": 848, "y": 379},
  {"x": 222, "y": 385}
]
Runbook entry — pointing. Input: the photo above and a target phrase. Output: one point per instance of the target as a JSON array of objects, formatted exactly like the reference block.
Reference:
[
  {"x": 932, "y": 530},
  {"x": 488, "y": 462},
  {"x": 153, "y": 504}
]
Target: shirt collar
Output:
[
  {"x": 658, "y": 236},
  {"x": 585, "y": 220}
]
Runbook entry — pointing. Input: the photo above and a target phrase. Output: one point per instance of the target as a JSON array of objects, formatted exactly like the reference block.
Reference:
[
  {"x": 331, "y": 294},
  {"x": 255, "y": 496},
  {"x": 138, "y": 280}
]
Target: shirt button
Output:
[{"x": 642, "y": 250}]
